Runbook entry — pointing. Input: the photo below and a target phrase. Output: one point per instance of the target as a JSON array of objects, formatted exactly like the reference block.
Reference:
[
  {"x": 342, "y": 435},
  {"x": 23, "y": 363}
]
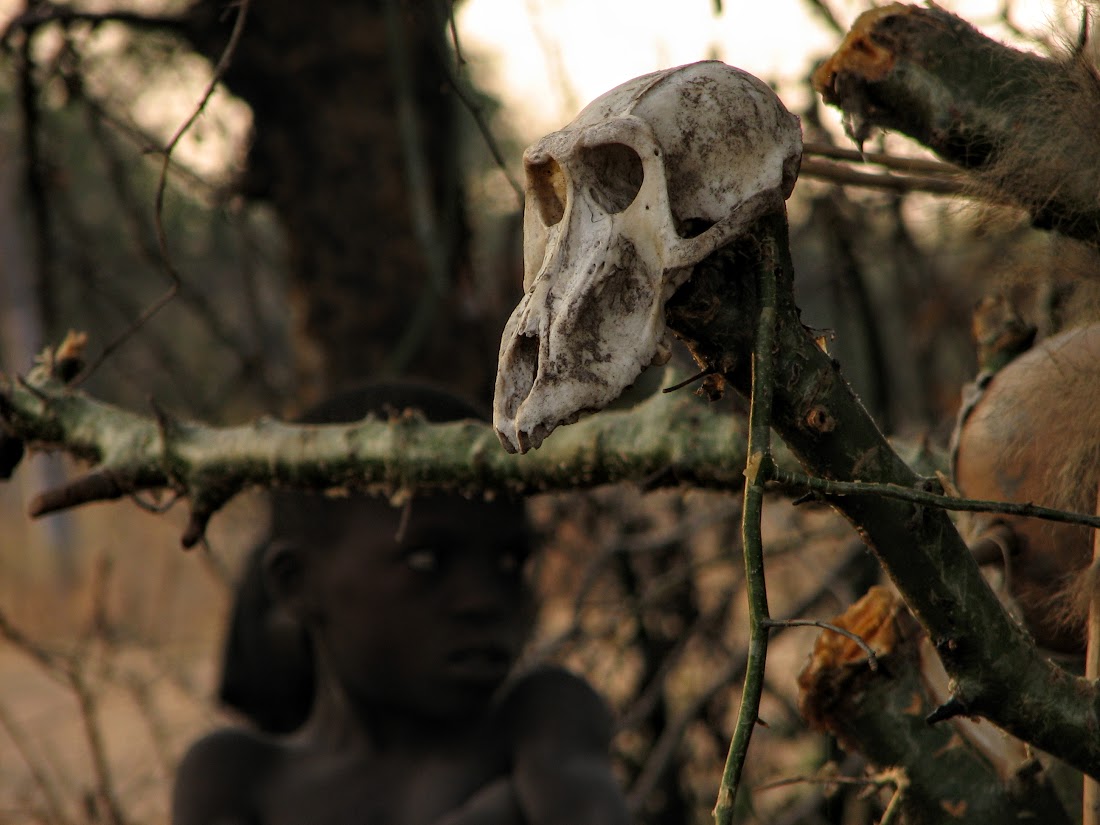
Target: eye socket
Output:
[
  {"x": 546, "y": 183},
  {"x": 422, "y": 559},
  {"x": 613, "y": 175}
]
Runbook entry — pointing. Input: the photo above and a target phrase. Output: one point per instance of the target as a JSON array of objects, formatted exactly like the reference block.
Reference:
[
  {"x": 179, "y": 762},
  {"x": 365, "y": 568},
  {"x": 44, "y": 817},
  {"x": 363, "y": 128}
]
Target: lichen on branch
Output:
[{"x": 669, "y": 439}]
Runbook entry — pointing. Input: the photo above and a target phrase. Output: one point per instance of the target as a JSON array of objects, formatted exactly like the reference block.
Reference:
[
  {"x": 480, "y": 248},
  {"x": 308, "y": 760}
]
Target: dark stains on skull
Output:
[
  {"x": 618, "y": 292},
  {"x": 686, "y": 178}
]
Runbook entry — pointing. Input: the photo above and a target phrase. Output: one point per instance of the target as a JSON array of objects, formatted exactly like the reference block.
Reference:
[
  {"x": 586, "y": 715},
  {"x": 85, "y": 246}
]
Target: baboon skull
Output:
[{"x": 646, "y": 182}]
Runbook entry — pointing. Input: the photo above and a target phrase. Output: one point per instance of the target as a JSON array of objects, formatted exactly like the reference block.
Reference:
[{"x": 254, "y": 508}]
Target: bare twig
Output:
[
  {"x": 477, "y": 112},
  {"x": 429, "y": 233},
  {"x": 162, "y": 183},
  {"x": 756, "y": 472},
  {"x": 35, "y": 177},
  {"x": 158, "y": 731},
  {"x": 46, "y": 786},
  {"x": 93, "y": 735},
  {"x": 49, "y": 661},
  {"x": 664, "y": 749},
  {"x": 555, "y": 65},
  {"x": 829, "y": 487},
  {"x": 825, "y": 13},
  {"x": 897, "y": 162},
  {"x": 872, "y": 658},
  {"x": 830, "y": 779},
  {"x": 839, "y": 173}
]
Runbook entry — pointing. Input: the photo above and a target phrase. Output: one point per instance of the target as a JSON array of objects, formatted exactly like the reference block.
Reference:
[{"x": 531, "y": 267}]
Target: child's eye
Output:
[{"x": 422, "y": 559}]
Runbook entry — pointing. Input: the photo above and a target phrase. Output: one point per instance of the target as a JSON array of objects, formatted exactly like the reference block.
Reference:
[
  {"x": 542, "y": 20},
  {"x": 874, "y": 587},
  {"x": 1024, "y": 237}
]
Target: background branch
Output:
[
  {"x": 1025, "y": 125},
  {"x": 767, "y": 271}
]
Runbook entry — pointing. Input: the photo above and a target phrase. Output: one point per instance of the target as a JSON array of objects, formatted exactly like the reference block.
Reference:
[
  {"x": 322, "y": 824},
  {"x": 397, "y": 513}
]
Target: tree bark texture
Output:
[{"x": 1025, "y": 125}]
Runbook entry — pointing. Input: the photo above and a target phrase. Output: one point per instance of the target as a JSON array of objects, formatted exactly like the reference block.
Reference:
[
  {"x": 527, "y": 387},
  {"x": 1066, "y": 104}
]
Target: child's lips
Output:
[{"x": 480, "y": 663}]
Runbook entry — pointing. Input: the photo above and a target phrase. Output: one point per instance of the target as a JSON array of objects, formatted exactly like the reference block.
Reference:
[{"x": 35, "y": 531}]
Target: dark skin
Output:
[{"x": 416, "y": 622}]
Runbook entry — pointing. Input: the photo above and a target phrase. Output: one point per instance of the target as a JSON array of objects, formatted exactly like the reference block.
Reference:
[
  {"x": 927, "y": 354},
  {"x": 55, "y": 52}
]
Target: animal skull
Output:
[{"x": 621, "y": 204}]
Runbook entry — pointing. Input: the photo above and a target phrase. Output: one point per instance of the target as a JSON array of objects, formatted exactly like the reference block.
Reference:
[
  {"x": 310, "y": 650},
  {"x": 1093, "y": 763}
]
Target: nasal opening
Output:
[{"x": 546, "y": 183}]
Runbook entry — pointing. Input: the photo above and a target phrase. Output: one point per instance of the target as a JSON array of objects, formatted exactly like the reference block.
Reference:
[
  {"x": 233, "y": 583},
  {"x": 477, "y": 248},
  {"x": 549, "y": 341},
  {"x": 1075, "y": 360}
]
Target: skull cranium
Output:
[{"x": 646, "y": 182}]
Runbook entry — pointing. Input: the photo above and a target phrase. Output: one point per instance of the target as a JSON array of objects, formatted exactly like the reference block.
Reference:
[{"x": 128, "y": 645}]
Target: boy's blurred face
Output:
[{"x": 431, "y": 620}]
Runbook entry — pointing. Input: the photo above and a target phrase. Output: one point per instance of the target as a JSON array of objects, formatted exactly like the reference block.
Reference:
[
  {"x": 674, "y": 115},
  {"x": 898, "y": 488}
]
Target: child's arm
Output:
[
  {"x": 561, "y": 730},
  {"x": 495, "y": 804}
]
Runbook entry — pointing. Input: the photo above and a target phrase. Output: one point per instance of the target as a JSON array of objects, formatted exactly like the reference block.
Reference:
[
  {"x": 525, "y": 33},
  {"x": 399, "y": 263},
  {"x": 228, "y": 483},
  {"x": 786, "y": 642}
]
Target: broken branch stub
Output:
[{"x": 647, "y": 181}]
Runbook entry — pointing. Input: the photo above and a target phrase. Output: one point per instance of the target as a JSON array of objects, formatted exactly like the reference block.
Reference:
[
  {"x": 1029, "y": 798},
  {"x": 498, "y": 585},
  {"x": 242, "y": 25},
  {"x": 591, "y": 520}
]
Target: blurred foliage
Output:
[{"x": 223, "y": 339}]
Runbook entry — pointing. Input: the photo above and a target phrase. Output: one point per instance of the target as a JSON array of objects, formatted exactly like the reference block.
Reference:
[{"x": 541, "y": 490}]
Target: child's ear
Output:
[{"x": 284, "y": 576}]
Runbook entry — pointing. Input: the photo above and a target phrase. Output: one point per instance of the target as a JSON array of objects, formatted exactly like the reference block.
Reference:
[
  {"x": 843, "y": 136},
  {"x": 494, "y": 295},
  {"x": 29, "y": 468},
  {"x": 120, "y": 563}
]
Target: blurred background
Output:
[{"x": 345, "y": 206}]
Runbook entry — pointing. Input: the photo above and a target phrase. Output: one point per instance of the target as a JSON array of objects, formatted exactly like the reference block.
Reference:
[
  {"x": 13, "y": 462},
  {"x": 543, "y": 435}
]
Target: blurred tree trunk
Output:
[{"x": 326, "y": 83}]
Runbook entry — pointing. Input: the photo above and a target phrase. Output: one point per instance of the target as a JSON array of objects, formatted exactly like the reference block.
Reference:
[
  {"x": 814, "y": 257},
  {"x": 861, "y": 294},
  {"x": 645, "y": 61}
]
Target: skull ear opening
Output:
[
  {"x": 546, "y": 182},
  {"x": 614, "y": 175}
]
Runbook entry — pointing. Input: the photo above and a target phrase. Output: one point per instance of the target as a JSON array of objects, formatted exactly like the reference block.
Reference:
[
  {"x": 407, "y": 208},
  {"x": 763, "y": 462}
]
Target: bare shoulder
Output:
[
  {"x": 559, "y": 730},
  {"x": 553, "y": 706},
  {"x": 220, "y": 777}
]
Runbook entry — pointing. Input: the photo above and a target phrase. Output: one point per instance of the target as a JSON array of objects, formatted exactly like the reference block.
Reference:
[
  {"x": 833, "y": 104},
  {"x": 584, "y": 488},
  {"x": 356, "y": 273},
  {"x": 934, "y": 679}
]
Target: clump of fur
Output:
[{"x": 1034, "y": 437}]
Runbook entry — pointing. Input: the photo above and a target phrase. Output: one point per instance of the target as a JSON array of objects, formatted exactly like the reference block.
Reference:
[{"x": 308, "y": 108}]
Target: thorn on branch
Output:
[
  {"x": 948, "y": 710},
  {"x": 99, "y": 485},
  {"x": 195, "y": 530},
  {"x": 166, "y": 422},
  {"x": 156, "y": 507},
  {"x": 680, "y": 385},
  {"x": 204, "y": 504}
]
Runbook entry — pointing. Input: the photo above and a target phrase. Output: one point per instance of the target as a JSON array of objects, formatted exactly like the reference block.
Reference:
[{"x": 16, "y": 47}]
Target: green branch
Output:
[
  {"x": 667, "y": 440},
  {"x": 757, "y": 470}
]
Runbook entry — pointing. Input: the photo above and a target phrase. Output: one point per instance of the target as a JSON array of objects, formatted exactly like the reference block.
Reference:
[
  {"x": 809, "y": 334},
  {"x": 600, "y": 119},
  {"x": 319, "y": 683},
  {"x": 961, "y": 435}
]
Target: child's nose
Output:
[{"x": 482, "y": 591}]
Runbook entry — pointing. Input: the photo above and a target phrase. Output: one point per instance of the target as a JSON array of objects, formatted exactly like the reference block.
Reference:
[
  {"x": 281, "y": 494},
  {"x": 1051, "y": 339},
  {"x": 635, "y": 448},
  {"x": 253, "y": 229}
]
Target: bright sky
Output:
[{"x": 553, "y": 56}]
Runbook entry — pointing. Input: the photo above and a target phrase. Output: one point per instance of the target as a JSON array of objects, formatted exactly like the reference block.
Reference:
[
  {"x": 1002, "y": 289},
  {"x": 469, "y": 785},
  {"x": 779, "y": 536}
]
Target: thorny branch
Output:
[{"x": 667, "y": 440}]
